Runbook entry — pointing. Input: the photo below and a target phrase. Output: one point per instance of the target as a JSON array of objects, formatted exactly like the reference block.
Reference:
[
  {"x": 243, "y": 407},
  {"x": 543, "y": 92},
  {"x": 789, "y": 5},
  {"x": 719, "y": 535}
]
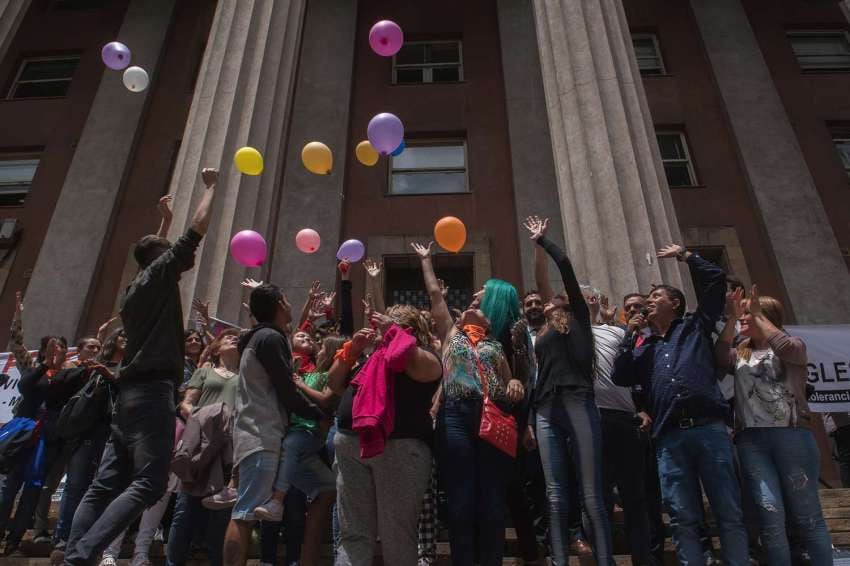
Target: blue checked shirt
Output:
[{"x": 678, "y": 369}]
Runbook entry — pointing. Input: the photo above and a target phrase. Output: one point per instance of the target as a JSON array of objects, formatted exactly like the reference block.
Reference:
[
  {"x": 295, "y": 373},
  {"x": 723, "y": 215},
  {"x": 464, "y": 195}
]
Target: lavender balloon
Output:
[
  {"x": 398, "y": 151},
  {"x": 351, "y": 251},
  {"x": 385, "y": 132},
  {"x": 115, "y": 55},
  {"x": 386, "y": 38}
]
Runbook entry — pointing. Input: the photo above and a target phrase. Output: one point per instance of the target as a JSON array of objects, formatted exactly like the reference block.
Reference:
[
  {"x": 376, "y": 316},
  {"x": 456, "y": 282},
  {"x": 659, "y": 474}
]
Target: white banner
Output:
[
  {"x": 828, "y": 347},
  {"x": 9, "y": 391}
]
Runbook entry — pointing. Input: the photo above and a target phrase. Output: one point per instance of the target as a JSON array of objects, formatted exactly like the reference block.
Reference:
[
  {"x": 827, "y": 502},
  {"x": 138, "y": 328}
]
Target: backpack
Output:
[
  {"x": 17, "y": 438},
  {"x": 82, "y": 411}
]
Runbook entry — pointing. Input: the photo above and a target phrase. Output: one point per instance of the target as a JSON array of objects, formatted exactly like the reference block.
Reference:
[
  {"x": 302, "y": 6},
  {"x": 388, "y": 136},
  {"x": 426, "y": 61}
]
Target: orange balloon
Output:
[{"x": 450, "y": 233}]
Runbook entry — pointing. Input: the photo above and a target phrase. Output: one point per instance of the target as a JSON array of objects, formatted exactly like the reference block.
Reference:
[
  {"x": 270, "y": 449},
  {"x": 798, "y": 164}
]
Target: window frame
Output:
[
  {"x": 15, "y": 156},
  {"x": 841, "y": 136},
  {"x": 427, "y": 68},
  {"x": 689, "y": 159},
  {"x": 790, "y": 34},
  {"x": 657, "y": 45},
  {"x": 36, "y": 59},
  {"x": 431, "y": 142}
]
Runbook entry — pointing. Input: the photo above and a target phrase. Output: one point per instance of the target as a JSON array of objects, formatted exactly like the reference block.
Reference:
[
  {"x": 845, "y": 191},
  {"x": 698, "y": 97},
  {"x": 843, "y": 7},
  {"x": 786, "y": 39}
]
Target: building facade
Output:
[{"x": 723, "y": 124}]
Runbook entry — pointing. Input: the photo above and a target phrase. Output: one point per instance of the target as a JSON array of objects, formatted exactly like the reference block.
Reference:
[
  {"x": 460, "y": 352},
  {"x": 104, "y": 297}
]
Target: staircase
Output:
[{"x": 835, "y": 502}]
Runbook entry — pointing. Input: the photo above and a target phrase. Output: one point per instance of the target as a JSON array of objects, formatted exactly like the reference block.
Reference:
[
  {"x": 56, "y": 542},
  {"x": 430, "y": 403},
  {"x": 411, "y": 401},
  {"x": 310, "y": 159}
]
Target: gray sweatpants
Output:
[{"x": 380, "y": 497}]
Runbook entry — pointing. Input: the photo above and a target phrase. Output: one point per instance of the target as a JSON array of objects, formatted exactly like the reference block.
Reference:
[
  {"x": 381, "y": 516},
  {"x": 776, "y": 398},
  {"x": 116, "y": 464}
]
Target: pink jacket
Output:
[{"x": 373, "y": 411}]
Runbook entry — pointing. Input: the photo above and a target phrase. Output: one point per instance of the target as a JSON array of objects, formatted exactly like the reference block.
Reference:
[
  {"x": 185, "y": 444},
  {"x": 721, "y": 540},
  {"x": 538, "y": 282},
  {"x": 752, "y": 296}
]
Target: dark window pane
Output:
[
  {"x": 51, "y": 89},
  {"x": 411, "y": 54},
  {"x": 445, "y": 75},
  {"x": 428, "y": 183},
  {"x": 678, "y": 175},
  {"x": 52, "y": 69},
  {"x": 443, "y": 53},
  {"x": 406, "y": 76},
  {"x": 670, "y": 146},
  {"x": 12, "y": 199}
]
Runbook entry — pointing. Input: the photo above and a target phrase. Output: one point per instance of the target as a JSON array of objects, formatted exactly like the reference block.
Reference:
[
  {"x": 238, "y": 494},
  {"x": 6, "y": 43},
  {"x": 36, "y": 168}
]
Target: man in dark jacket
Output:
[{"x": 133, "y": 474}]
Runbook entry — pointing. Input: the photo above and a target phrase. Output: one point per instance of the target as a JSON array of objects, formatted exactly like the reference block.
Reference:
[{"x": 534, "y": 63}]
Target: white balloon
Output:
[{"x": 136, "y": 79}]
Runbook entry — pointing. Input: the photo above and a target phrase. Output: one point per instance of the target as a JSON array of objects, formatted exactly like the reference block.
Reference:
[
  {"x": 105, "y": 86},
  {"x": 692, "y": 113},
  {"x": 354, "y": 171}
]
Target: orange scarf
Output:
[{"x": 475, "y": 333}]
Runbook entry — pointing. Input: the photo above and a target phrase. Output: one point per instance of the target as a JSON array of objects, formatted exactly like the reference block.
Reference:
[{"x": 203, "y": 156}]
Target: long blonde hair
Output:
[
  {"x": 408, "y": 316},
  {"x": 774, "y": 312}
]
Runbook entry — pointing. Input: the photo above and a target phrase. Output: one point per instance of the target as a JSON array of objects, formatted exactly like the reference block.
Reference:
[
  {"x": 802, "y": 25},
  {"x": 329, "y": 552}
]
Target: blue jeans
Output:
[
  {"x": 133, "y": 473},
  {"x": 564, "y": 420},
  {"x": 80, "y": 473},
  {"x": 780, "y": 468},
  {"x": 475, "y": 476},
  {"x": 188, "y": 514},
  {"x": 687, "y": 457}
]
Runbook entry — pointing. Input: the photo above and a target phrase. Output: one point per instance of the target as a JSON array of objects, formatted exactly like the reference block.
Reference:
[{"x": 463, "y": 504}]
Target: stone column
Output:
[
  {"x": 67, "y": 262},
  {"x": 12, "y": 12},
  {"x": 243, "y": 97},
  {"x": 804, "y": 245},
  {"x": 534, "y": 181},
  {"x": 615, "y": 204},
  {"x": 320, "y": 112}
]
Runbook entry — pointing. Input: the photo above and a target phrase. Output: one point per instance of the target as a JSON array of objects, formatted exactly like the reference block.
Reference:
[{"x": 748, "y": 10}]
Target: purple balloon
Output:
[
  {"x": 385, "y": 133},
  {"x": 115, "y": 55},
  {"x": 248, "y": 248},
  {"x": 351, "y": 251},
  {"x": 386, "y": 38}
]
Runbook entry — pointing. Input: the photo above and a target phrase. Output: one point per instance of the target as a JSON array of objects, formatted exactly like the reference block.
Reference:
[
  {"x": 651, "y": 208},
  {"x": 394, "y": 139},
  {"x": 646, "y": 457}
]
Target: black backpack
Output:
[{"x": 92, "y": 403}]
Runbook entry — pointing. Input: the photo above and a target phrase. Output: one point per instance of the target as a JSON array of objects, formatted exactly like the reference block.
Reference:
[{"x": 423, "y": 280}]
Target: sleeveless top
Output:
[{"x": 460, "y": 371}]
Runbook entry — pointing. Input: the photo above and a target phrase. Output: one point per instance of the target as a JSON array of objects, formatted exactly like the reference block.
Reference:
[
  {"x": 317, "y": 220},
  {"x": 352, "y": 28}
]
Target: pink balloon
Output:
[
  {"x": 386, "y": 38},
  {"x": 248, "y": 248},
  {"x": 308, "y": 240}
]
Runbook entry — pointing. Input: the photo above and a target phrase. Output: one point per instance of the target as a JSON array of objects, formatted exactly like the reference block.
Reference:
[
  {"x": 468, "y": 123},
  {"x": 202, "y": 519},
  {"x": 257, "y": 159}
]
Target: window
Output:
[
  {"x": 676, "y": 159},
  {"x": 45, "y": 77},
  {"x": 821, "y": 49},
  {"x": 16, "y": 174},
  {"x": 77, "y": 4},
  {"x": 425, "y": 168},
  {"x": 404, "y": 283},
  {"x": 841, "y": 140},
  {"x": 648, "y": 54},
  {"x": 428, "y": 62}
]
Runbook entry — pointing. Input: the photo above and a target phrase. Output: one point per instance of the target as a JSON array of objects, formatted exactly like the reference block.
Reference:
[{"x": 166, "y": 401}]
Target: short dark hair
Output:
[
  {"x": 630, "y": 295},
  {"x": 529, "y": 293},
  {"x": 82, "y": 341},
  {"x": 263, "y": 302},
  {"x": 674, "y": 294},
  {"x": 42, "y": 349},
  {"x": 148, "y": 248}
]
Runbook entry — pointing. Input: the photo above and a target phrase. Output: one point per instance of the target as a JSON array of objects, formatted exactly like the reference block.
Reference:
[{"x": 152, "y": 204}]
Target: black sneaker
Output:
[{"x": 42, "y": 537}]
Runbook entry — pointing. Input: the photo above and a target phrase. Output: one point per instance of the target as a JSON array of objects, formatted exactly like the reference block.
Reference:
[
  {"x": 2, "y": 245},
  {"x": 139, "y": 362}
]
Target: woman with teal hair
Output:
[{"x": 499, "y": 301}]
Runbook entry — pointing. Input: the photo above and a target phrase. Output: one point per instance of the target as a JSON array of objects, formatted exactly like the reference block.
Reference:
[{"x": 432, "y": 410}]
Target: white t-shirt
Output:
[{"x": 607, "y": 340}]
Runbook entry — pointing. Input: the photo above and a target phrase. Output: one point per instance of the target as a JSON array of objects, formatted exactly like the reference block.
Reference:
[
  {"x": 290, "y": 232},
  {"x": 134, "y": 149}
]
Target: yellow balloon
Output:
[
  {"x": 366, "y": 154},
  {"x": 249, "y": 161},
  {"x": 317, "y": 158},
  {"x": 450, "y": 233}
]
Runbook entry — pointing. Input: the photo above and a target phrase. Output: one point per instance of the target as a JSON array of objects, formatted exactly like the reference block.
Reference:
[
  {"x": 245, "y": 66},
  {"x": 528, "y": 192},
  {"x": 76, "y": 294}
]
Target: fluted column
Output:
[
  {"x": 12, "y": 12},
  {"x": 615, "y": 204},
  {"x": 243, "y": 97},
  {"x": 67, "y": 262}
]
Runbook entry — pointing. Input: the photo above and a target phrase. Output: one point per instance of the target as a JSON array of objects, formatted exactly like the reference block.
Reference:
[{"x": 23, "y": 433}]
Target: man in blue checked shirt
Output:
[{"x": 675, "y": 365}]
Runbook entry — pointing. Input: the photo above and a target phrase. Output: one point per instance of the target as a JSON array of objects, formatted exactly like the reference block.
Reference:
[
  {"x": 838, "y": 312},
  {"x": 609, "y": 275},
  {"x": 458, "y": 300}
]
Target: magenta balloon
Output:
[
  {"x": 308, "y": 240},
  {"x": 248, "y": 248},
  {"x": 351, "y": 251},
  {"x": 115, "y": 55},
  {"x": 385, "y": 132},
  {"x": 386, "y": 38}
]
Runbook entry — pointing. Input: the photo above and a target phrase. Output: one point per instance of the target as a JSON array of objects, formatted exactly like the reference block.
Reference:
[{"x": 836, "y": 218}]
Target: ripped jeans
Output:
[{"x": 780, "y": 468}]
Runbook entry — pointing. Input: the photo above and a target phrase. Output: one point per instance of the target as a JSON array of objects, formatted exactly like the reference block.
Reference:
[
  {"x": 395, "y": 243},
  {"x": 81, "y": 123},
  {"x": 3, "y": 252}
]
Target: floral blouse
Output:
[{"x": 461, "y": 375}]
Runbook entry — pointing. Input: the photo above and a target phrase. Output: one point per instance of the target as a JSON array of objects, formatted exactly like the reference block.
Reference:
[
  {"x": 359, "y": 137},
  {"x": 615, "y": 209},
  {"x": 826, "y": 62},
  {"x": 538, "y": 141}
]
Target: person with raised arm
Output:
[
  {"x": 566, "y": 420},
  {"x": 134, "y": 470}
]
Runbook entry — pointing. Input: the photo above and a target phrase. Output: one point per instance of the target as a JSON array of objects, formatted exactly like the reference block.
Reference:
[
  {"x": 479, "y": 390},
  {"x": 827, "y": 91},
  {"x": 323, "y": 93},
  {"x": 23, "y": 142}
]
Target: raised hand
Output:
[
  {"x": 380, "y": 321},
  {"x": 203, "y": 310},
  {"x": 373, "y": 269},
  {"x": 164, "y": 206},
  {"x": 672, "y": 250},
  {"x": 327, "y": 303},
  {"x": 735, "y": 304},
  {"x": 422, "y": 251},
  {"x": 606, "y": 313},
  {"x": 368, "y": 305},
  {"x": 361, "y": 339},
  {"x": 754, "y": 306},
  {"x": 444, "y": 289},
  {"x": 249, "y": 283},
  {"x": 536, "y": 226},
  {"x": 316, "y": 310},
  {"x": 210, "y": 176},
  {"x": 315, "y": 290},
  {"x": 344, "y": 268},
  {"x": 19, "y": 304}
]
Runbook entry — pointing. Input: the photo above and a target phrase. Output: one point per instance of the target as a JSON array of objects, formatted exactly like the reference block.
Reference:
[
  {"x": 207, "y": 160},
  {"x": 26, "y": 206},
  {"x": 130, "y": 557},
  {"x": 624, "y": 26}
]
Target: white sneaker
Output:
[
  {"x": 224, "y": 499},
  {"x": 108, "y": 561},
  {"x": 271, "y": 510}
]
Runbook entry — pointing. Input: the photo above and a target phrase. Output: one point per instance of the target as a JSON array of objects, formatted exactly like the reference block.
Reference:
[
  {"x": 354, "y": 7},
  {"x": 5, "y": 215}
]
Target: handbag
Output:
[
  {"x": 82, "y": 411},
  {"x": 497, "y": 427}
]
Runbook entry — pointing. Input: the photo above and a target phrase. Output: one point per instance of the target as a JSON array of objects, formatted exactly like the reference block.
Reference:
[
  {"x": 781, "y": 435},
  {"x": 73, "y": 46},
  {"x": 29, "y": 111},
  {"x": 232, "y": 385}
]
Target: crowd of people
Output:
[{"x": 551, "y": 410}]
